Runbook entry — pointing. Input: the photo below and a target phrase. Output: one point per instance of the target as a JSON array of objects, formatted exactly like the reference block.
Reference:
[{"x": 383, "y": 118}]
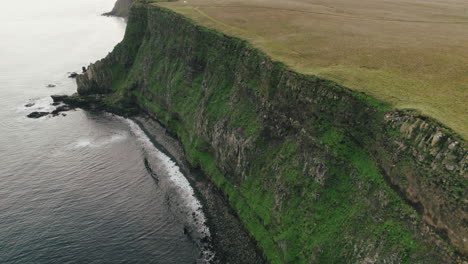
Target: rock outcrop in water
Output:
[
  {"x": 36, "y": 115},
  {"x": 316, "y": 172}
]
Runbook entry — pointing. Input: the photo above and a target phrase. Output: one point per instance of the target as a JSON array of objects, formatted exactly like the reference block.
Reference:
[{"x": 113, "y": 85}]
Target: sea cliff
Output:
[
  {"x": 121, "y": 8},
  {"x": 316, "y": 172}
]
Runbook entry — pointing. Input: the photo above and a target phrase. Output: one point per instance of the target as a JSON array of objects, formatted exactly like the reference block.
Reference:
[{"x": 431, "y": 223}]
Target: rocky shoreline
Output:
[
  {"x": 230, "y": 240},
  {"x": 317, "y": 172}
]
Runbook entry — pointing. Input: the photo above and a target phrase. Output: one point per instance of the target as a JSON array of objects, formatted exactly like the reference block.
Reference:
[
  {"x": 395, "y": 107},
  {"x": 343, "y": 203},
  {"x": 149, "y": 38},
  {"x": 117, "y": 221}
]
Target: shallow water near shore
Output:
[{"x": 86, "y": 187}]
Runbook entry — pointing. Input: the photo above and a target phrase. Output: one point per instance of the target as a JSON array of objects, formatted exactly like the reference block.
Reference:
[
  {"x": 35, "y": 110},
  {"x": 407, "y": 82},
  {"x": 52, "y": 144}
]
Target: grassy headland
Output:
[
  {"x": 316, "y": 172},
  {"x": 412, "y": 54}
]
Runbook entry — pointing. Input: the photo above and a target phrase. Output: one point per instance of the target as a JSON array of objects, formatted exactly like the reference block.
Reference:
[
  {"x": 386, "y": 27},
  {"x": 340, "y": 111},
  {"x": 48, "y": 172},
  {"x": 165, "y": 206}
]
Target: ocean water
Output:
[{"x": 86, "y": 187}]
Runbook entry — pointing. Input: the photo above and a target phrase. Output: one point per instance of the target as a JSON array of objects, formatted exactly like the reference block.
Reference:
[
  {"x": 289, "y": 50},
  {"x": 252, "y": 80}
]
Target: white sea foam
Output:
[
  {"x": 194, "y": 214},
  {"x": 84, "y": 142},
  {"x": 95, "y": 143}
]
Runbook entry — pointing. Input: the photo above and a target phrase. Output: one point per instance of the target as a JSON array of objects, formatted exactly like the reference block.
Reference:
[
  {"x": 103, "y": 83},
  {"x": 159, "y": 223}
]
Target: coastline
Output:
[
  {"x": 230, "y": 240},
  {"x": 417, "y": 135}
]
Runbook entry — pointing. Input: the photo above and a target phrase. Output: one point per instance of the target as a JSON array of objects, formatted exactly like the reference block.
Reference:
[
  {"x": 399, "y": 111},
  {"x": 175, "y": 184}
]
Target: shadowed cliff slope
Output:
[{"x": 317, "y": 173}]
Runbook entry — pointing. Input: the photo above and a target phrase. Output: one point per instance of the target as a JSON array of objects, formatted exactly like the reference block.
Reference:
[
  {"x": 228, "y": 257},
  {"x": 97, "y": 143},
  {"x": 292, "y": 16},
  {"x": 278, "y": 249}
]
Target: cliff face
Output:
[
  {"x": 121, "y": 8},
  {"x": 318, "y": 173}
]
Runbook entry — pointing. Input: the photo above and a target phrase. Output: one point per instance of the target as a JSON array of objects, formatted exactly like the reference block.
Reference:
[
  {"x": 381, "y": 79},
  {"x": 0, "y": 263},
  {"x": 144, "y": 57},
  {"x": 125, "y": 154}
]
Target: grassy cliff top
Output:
[{"x": 411, "y": 53}]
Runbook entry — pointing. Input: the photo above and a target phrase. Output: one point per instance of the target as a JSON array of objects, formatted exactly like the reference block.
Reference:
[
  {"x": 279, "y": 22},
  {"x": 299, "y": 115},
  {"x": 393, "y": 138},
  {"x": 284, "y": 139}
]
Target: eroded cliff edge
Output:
[{"x": 317, "y": 173}]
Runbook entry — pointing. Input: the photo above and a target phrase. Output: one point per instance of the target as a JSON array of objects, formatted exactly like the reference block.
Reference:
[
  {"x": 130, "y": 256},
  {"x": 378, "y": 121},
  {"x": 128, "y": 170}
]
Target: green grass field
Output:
[{"x": 410, "y": 53}]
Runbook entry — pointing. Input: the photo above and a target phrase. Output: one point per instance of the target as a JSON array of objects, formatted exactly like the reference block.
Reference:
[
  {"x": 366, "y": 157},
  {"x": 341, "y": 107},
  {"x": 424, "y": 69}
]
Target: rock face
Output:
[
  {"x": 121, "y": 8},
  {"x": 317, "y": 173},
  {"x": 97, "y": 82}
]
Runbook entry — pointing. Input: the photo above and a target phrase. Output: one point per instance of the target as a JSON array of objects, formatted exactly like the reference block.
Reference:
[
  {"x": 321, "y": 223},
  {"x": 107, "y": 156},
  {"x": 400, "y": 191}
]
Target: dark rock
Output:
[
  {"x": 29, "y": 105},
  {"x": 60, "y": 109},
  {"x": 75, "y": 100},
  {"x": 73, "y": 75},
  {"x": 37, "y": 114},
  {"x": 96, "y": 102},
  {"x": 55, "y": 103},
  {"x": 205, "y": 239},
  {"x": 51, "y": 85},
  {"x": 58, "y": 98}
]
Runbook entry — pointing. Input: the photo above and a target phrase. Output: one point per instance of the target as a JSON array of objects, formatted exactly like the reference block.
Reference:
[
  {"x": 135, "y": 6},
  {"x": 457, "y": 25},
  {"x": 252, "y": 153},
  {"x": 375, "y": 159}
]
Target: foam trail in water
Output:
[
  {"x": 185, "y": 190},
  {"x": 89, "y": 142}
]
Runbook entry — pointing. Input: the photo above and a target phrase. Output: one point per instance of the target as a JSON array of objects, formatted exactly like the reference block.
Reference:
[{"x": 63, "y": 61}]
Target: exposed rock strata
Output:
[{"x": 301, "y": 160}]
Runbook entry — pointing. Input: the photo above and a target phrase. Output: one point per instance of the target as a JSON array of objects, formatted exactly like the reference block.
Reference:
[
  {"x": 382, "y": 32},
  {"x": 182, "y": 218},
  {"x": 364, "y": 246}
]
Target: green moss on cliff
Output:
[{"x": 300, "y": 159}]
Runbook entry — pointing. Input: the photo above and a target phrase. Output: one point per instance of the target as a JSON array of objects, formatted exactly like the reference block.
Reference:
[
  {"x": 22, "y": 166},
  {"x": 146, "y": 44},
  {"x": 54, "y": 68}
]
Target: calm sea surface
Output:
[{"x": 85, "y": 187}]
